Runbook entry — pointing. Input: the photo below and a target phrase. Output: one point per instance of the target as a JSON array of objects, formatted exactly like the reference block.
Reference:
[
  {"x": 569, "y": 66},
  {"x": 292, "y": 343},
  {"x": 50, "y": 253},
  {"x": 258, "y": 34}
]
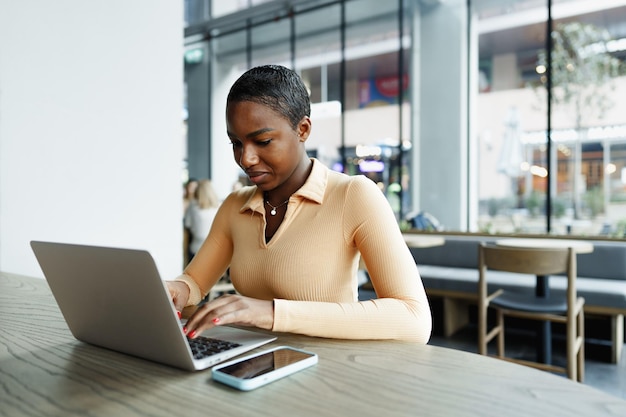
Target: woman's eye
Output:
[{"x": 264, "y": 142}]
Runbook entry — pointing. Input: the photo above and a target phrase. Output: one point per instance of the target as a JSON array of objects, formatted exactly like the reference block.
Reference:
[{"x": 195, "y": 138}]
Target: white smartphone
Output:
[{"x": 253, "y": 371}]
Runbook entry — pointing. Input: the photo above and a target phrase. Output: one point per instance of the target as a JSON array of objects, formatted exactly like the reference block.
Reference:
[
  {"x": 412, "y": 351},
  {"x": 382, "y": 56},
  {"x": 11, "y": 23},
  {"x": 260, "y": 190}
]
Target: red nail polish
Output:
[
  {"x": 185, "y": 329},
  {"x": 180, "y": 315},
  {"x": 192, "y": 334},
  {"x": 216, "y": 320}
]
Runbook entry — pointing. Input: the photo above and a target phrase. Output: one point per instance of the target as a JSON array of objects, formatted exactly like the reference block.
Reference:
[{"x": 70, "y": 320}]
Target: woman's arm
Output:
[{"x": 401, "y": 311}]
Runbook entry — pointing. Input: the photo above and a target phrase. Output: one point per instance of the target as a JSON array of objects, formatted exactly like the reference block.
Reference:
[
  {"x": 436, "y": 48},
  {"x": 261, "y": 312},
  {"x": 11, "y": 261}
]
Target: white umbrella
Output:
[{"x": 512, "y": 152}]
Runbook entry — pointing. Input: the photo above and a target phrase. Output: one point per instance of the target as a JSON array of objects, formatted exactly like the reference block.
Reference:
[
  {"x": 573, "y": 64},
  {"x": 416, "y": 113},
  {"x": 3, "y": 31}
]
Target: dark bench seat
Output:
[{"x": 450, "y": 272}]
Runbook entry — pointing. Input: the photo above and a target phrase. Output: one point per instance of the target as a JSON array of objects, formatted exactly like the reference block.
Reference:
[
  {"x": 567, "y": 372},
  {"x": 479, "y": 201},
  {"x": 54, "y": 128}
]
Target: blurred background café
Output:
[
  {"x": 453, "y": 107},
  {"x": 443, "y": 104},
  {"x": 474, "y": 117}
]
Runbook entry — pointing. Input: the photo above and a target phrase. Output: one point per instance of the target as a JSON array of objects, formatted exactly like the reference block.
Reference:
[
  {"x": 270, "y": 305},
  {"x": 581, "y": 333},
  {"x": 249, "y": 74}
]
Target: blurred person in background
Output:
[
  {"x": 189, "y": 191},
  {"x": 200, "y": 214}
]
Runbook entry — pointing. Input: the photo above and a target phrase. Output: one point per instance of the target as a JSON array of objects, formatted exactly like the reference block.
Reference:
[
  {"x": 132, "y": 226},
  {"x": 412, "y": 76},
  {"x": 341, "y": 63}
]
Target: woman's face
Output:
[
  {"x": 265, "y": 145},
  {"x": 191, "y": 188}
]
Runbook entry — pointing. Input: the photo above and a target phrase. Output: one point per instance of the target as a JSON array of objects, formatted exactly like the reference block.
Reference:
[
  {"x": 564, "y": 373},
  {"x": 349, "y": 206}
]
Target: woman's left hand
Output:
[{"x": 231, "y": 309}]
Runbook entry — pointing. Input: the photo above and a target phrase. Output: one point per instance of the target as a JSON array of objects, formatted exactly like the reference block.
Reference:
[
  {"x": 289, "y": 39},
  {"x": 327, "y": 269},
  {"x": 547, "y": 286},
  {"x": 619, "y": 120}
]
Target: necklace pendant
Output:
[{"x": 273, "y": 212}]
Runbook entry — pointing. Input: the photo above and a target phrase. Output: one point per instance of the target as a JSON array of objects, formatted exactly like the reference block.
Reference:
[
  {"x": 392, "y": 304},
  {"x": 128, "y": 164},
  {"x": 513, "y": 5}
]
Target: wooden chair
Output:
[
  {"x": 568, "y": 310},
  {"x": 221, "y": 287}
]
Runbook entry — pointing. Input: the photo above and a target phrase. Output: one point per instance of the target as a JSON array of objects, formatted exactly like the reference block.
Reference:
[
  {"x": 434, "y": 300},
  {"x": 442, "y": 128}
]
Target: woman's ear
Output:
[{"x": 304, "y": 128}]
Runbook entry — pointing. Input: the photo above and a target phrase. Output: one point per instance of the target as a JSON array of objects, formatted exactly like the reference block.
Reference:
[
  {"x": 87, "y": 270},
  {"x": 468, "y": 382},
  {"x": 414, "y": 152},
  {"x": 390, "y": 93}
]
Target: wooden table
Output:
[
  {"x": 542, "y": 289},
  {"x": 44, "y": 371},
  {"x": 579, "y": 246},
  {"x": 414, "y": 240}
]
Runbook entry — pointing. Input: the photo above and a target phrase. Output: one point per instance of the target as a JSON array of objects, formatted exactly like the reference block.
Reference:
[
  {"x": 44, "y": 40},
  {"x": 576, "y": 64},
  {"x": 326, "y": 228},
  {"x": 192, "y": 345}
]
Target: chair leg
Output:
[
  {"x": 500, "y": 324},
  {"x": 482, "y": 330},
  {"x": 572, "y": 357},
  {"x": 617, "y": 337},
  {"x": 581, "y": 351}
]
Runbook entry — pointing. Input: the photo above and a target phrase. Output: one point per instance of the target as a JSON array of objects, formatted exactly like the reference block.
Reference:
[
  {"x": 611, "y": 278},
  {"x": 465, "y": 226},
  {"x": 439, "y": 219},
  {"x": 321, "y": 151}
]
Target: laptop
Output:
[{"x": 114, "y": 298}]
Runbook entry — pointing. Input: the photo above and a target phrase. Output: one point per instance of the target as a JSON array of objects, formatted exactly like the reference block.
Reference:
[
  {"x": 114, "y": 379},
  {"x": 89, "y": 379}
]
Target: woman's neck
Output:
[{"x": 295, "y": 182}]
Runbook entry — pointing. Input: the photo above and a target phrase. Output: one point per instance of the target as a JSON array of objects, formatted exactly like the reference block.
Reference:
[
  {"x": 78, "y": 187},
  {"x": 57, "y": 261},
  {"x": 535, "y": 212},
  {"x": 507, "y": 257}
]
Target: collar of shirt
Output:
[{"x": 313, "y": 189}]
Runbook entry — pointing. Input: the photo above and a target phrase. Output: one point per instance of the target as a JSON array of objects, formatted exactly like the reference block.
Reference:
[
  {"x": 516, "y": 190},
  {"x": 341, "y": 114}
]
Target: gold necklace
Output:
[{"x": 273, "y": 210}]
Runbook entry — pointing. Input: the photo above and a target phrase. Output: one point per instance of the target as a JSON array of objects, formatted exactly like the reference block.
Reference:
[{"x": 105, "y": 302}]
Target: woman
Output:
[
  {"x": 189, "y": 191},
  {"x": 200, "y": 214},
  {"x": 292, "y": 240}
]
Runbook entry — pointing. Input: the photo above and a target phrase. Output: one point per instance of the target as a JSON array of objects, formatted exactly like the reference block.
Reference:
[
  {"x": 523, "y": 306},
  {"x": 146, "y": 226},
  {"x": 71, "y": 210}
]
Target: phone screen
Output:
[{"x": 262, "y": 364}]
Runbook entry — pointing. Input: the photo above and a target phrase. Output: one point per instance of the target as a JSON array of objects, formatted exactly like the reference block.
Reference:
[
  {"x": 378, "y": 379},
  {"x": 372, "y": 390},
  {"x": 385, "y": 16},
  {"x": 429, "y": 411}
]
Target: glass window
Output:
[
  {"x": 196, "y": 11},
  {"x": 317, "y": 59},
  {"x": 224, "y": 7},
  {"x": 447, "y": 109},
  {"x": 228, "y": 62},
  {"x": 270, "y": 43},
  {"x": 512, "y": 164},
  {"x": 373, "y": 85},
  {"x": 516, "y": 172}
]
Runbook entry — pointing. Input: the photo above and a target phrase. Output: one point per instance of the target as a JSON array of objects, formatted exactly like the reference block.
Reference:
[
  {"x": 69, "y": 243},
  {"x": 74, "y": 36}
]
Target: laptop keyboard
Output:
[{"x": 201, "y": 347}]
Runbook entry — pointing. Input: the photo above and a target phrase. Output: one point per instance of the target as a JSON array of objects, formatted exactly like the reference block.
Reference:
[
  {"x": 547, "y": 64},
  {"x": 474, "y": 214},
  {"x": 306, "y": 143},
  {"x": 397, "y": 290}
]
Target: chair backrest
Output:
[{"x": 528, "y": 261}]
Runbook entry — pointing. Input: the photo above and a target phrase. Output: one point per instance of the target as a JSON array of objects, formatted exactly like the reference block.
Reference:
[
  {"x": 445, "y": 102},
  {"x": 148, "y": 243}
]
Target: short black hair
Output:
[{"x": 276, "y": 87}]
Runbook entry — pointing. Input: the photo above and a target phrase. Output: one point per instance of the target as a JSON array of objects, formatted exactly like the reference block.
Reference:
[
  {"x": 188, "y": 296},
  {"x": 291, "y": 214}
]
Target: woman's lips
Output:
[{"x": 257, "y": 177}]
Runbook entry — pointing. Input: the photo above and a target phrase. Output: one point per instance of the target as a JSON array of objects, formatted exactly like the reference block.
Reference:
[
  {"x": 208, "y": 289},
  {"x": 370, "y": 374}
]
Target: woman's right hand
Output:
[{"x": 179, "y": 292}]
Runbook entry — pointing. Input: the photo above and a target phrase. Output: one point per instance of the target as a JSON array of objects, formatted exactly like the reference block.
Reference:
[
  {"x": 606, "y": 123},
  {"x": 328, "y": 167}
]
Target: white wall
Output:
[{"x": 90, "y": 127}]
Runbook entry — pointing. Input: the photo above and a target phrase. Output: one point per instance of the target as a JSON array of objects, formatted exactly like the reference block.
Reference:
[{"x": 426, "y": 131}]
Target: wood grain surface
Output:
[{"x": 44, "y": 371}]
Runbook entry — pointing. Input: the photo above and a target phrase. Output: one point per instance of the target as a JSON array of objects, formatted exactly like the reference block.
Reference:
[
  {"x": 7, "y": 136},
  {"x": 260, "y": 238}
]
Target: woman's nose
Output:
[{"x": 248, "y": 156}]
